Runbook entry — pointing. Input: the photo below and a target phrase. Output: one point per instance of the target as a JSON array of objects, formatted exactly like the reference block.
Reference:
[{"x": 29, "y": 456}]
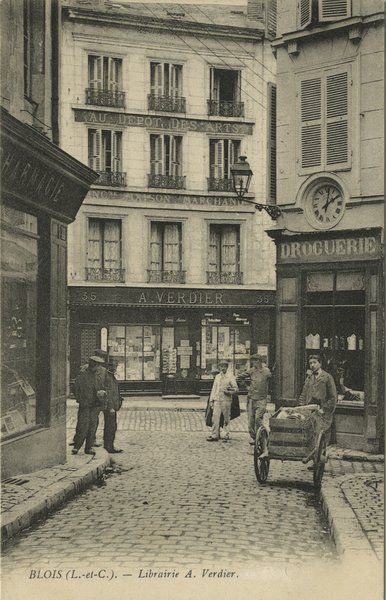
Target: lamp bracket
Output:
[{"x": 273, "y": 210}]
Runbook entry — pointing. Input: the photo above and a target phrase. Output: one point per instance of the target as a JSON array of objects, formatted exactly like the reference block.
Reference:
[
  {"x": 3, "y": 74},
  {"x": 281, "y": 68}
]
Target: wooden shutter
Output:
[
  {"x": 214, "y": 85},
  {"x": 304, "y": 13},
  {"x": 94, "y": 149},
  {"x": 156, "y": 154},
  {"x": 95, "y": 72},
  {"x": 271, "y": 153},
  {"x": 155, "y": 246},
  {"x": 337, "y": 147},
  {"x": 311, "y": 122},
  {"x": 175, "y": 155},
  {"x": 113, "y": 74},
  {"x": 94, "y": 247},
  {"x": 219, "y": 159},
  {"x": 271, "y": 17},
  {"x": 214, "y": 249},
  {"x": 229, "y": 249},
  {"x": 172, "y": 258},
  {"x": 156, "y": 79},
  {"x": 175, "y": 80},
  {"x": 117, "y": 151},
  {"x": 112, "y": 245},
  {"x": 334, "y": 10}
]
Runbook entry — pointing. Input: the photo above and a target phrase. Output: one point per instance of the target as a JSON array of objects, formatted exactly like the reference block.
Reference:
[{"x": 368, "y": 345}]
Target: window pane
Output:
[
  {"x": 151, "y": 352},
  {"x": 116, "y": 348},
  {"x": 350, "y": 287},
  {"x": 134, "y": 352},
  {"x": 19, "y": 261},
  {"x": 320, "y": 287}
]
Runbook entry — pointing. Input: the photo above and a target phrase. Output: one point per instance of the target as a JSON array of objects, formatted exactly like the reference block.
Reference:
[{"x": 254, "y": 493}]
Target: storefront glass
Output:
[
  {"x": 230, "y": 342},
  {"x": 335, "y": 326},
  {"x": 136, "y": 350},
  {"x": 19, "y": 272}
]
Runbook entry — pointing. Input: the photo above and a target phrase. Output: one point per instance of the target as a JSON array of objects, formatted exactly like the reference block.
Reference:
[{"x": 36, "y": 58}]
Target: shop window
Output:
[
  {"x": 105, "y": 82},
  {"x": 136, "y": 351},
  {"x": 229, "y": 342},
  {"x": 105, "y": 156},
  {"x": 225, "y": 86},
  {"x": 166, "y": 253},
  {"x": 19, "y": 278},
  {"x": 166, "y": 162},
  {"x": 222, "y": 155},
  {"x": 104, "y": 250},
  {"x": 224, "y": 254},
  {"x": 335, "y": 326},
  {"x": 166, "y": 88}
]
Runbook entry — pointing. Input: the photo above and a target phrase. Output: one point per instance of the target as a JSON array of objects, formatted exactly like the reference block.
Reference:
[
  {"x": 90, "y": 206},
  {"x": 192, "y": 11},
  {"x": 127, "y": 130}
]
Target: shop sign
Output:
[
  {"x": 175, "y": 124},
  {"x": 339, "y": 249},
  {"x": 159, "y": 198},
  {"x": 171, "y": 297}
]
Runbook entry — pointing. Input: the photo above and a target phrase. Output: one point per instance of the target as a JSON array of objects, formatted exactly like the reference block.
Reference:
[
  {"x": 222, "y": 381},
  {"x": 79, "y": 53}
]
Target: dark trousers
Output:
[
  {"x": 109, "y": 430},
  {"x": 86, "y": 426}
]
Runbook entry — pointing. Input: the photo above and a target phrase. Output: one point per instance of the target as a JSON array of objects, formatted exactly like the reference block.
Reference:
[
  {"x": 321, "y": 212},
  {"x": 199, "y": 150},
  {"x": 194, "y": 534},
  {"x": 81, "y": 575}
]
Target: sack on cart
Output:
[{"x": 292, "y": 431}]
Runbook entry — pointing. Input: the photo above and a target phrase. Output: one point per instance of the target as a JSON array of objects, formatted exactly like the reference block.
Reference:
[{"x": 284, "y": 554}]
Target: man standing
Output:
[
  {"x": 220, "y": 399},
  {"x": 114, "y": 403},
  {"x": 90, "y": 389},
  {"x": 257, "y": 382}
]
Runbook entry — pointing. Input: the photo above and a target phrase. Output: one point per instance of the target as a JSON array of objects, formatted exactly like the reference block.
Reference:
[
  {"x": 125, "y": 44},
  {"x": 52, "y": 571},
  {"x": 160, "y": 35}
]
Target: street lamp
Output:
[{"x": 241, "y": 178}]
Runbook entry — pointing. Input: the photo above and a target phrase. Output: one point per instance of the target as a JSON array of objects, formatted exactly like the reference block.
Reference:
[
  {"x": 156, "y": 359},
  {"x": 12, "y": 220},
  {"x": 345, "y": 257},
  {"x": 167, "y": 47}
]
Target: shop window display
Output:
[
  {"x": 229, "y": 342},
  {"x": 335, "y": 326},
  {"x": 136, "y": 350},
  {"x": 19, "y": 272}
]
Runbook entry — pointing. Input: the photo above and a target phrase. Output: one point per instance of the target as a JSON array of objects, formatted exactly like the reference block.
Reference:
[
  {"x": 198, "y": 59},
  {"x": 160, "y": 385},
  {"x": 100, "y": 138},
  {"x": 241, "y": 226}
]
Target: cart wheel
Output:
[
  {"x": 320, "y": 461},
  {"x": 261, "y": 464}
]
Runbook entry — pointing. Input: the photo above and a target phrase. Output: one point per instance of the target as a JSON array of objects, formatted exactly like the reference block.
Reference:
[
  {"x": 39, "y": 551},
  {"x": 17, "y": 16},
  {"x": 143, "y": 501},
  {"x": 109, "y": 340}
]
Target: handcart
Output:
[{"x": 289, "y": 439}]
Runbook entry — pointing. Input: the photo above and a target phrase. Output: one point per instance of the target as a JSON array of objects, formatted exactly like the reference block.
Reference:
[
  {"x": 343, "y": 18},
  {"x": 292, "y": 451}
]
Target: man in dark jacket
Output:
[
  {"x": 90, "y": 390},
  {"x": 114, "y": 403}
]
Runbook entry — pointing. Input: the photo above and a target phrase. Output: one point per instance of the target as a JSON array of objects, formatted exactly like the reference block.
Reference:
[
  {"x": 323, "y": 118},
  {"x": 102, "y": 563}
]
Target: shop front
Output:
[
  {"x": 329, "y": 300},
  {"x": 169, "y": 341},
  {"x": 42, "y": 189}
]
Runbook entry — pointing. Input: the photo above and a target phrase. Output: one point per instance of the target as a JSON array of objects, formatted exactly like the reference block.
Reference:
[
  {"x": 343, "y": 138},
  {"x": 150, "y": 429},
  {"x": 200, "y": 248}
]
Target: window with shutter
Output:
[
  {"x": 229, "y": 249},
  {"x": 95, "y": 72},
  {"x": 94, "y": 149},
  {"x": 111, "y": 244},
  {"x": 171, "y": 249},
  {"x": 214, "y": 249},
  {"x": 304, "y": 13},
  {"x": 271, "y": 17},
  {"x": 175, "y": 152},
  {"x": 117, "y": 151},
  {"x": 333, "y": 10},
  {"x": 337, "y": 118},
  {"x": 271, "y": 154},
  {"x": 175, "y": 81},
  {"x": 94, "y": 247},
  {"x": 156, "y": 79},
  {"x": 311, "y": 127},
  {"x": 156, "y": 154},
  {"x": 155, "y": 246}
]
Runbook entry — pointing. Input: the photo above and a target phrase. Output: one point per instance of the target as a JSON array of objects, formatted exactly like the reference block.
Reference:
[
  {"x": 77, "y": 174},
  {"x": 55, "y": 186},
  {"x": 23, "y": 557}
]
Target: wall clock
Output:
[{"x": 324, "y": 205}]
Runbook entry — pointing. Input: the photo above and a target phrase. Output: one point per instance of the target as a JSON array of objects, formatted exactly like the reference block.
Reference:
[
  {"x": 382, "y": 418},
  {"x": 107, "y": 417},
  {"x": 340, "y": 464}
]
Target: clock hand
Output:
[
  {"x": 327, "y": 202},
  {"x": 330, "y": 202}
]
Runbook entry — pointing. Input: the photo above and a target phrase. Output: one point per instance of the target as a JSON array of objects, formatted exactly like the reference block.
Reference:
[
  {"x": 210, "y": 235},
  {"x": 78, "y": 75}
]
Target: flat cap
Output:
[
  {"x": 223, "y": 361},
  {"x": 97, "y": 359},
  {"x": 257, "y": 357}
]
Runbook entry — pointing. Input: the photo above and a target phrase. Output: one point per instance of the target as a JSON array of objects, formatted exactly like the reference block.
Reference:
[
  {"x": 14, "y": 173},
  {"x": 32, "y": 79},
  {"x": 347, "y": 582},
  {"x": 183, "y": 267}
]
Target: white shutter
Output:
[
  {"x": 117, "y": 151},
  {"x": 113, "y": 75},
  {"x": 156, "y": 154},
  {"x": 229, "y": 249},
  {"x": 304, "y": 13},
  {"x": 95, "y": 72},
  {"x": 231, "y": 158},
  {"x": 112, "y": 245},
  {"x": 94, "y": 246},
  {"x": 334, "y": 10},
  {"x": 311, "y": 122},
  {"x": 175, "y": 155},
  {"x": 214, "y": 249},
  {"x": 94, "y": 149},
  {"x": 156, "y": 79},
  {"x": 172, "y": 260},
  {"x": 219, "y": 159},
  {"x": 337, "y": 110},
  {"x": 155, "y": 247},
  {"x": 175, "y": 81}
]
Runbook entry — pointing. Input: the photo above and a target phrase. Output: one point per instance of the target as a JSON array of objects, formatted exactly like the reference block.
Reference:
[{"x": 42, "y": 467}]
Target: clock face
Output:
[{"x": 325, "y": 206}]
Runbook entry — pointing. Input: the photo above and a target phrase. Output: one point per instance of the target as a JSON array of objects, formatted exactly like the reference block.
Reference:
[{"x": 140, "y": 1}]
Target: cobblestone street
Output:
[{"x": 175, "y": 500}]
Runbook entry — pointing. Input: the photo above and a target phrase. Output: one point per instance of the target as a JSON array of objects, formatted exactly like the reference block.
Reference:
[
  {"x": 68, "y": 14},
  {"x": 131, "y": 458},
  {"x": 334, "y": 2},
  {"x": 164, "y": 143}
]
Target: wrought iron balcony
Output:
[
  {"x": 166, "y": 103},
  {"x": 176, "y": 182},
  {"x": 101, "y": 274},
  {"x": 165, "y": 276},
  {"x": 223, "y": 108},
  {"x": 114, "y": 178},
  {"x": 220, "y": 185},
  {"x": 105, "y": 98},
  {"x": 216, "y": 277}
]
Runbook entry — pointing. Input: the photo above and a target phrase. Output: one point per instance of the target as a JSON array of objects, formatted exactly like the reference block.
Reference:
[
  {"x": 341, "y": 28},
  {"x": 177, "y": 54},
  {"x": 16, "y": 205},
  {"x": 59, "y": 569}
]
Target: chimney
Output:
[{"x": 255, "y": 10}]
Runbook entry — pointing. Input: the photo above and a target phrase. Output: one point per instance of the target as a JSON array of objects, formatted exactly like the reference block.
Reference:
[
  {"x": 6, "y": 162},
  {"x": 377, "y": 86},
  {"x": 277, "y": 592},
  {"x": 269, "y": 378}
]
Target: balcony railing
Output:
[
  {"x": 113, "y": 178},
  {"x": 105, "y": 98},
  {"x": 220, "y": 185},
  {"x": 166, "y": 103},
  {"x": 224, "y": 277},
  {"x": 165, "y": 276},
  {"x": 223, "y": 108},
  {"x": 101, "y": 274},
  {"x": 176, "y": 182}
]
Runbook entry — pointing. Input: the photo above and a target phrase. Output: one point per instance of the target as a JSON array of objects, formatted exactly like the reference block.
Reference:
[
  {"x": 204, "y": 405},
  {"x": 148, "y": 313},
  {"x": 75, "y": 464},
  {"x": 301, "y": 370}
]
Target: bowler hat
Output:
[{"x": 97, "y": 359}]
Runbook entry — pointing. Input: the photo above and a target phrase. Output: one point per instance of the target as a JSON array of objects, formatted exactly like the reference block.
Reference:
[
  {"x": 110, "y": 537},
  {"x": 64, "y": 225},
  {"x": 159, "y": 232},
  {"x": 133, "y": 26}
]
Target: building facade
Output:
[
  {"x": 42, "y": 188},
  {"x": 168, "y": 270},
  {"x": 330, "y": 188}
]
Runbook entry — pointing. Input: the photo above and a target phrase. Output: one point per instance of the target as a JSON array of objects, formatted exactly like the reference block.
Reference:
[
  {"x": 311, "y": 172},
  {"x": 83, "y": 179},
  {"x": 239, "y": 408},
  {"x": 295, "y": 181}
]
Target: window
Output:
[
  {"x": 222, "y": 155},
  {"x": 27, "y": 47},
  {"x": 166, "y": 88},
  {"x": 335, "y": 326},
  {"x": 105, "y": 156},
  {"x": 166, "y": 162},
  {"x": 230, "y": 342},
  {"x": 224, "y": 254},
  {"x": 324, "y": 130},
  {"x": 104, "y": 250},
  {"x": 19, "y": 281},
  {"x": 105, "y": 82},
  {"x": 319, "y": 11},
  {"x": 136, "y": 351},
  {"x": 166, "y": 253},
  {"x": 271, "y": 154},
  {"x": 225, "y": 86}
]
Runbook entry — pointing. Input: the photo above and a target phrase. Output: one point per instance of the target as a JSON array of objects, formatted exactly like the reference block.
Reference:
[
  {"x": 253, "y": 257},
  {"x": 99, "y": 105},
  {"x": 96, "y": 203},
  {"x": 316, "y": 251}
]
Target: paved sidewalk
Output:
[{"x": 352, "y": 494}]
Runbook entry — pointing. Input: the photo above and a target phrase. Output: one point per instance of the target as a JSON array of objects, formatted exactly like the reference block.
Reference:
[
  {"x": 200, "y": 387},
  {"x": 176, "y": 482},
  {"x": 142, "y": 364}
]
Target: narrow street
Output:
[{"x": 174, "y": 500}]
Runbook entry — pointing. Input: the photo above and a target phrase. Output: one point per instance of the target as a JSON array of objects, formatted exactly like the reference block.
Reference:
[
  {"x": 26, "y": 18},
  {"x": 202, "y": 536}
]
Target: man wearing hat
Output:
[
  {"x": 220, "y": 399},
  {"x": 90, "y": 392},
  {"x": 257, "y": 381}
]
